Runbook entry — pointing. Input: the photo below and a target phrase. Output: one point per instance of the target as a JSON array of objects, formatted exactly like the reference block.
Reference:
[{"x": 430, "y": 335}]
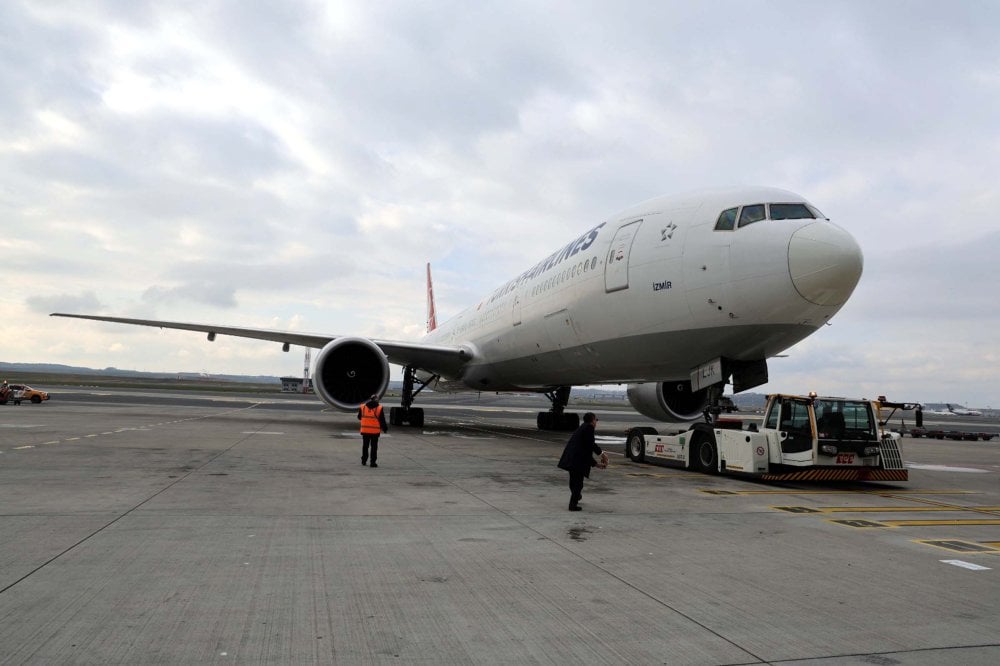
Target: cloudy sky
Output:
[{"x": 294, "y": 164}]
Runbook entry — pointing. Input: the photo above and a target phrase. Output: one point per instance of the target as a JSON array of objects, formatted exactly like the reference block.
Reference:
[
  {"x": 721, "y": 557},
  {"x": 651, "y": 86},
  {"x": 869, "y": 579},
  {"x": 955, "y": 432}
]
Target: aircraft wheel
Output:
[
  {"x": 394, "y": 419},
  {"x": 544, "y": 420},
  {"x": 570, "y": 421},
  {"x": 635, "y": 446},
  {"x": 417, "y": 417}
]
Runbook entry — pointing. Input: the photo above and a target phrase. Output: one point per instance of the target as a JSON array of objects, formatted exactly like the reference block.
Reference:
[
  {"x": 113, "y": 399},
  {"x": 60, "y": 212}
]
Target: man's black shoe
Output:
[
  {"x": 374, "y": 465},
  {"x": 364, "y": 462},
  {"x": 574, "y": 507}
]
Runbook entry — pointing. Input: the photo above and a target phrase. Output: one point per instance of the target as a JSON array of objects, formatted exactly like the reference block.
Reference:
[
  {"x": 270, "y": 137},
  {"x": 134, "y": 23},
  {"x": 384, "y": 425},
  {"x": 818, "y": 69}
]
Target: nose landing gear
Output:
[{"x": 557, "y": 418}]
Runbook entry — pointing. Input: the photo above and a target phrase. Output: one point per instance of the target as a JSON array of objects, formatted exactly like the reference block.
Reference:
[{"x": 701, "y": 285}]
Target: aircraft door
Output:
[{"x": 616, "y": 264}]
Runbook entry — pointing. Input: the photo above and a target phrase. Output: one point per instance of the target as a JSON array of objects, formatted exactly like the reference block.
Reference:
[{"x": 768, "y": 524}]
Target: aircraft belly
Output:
[{"x": 646, "y": 357}]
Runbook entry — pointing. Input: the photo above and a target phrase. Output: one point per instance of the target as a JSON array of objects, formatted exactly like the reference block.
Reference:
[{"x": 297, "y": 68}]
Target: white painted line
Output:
[
  {"x": 261, "y": 432},
  {"x": 29, "y": 446},
  {"x": 89, "y": 436},
  {"x": 54, "y": 441},
  {"x": 72, "y": 439},
  {"x": 966, "y": 565},
  {"x": 946, "y": 468},
  {"x": 107, "y": 433}
]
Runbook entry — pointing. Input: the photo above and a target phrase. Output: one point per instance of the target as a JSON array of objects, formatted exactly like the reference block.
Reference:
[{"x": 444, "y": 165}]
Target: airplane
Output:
[
  {"x": 952, "y": 410},
  {"x": 962, "y": 411},
  {"x": 674, "y": 297}
]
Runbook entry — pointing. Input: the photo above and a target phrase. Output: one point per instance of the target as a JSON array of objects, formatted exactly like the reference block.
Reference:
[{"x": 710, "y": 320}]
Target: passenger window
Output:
[
  {"x": 790, "y": 211},
  {"x": 752, "y": 214},
  {"x": 726, "y": 221}
]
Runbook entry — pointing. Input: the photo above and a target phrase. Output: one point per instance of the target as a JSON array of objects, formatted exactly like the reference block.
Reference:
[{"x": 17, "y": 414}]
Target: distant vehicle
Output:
[{"x": 26, "y": 393}]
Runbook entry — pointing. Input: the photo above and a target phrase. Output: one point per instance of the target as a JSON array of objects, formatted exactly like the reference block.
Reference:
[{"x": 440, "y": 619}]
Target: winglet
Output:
[{"x": 431, "y": 313}]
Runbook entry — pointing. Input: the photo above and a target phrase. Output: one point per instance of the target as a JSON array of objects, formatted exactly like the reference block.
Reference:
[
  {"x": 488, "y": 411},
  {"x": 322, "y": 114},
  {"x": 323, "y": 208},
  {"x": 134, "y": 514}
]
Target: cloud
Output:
[
  {"x": 222, "y": 296},
  {"x": 83, "y": 302}
]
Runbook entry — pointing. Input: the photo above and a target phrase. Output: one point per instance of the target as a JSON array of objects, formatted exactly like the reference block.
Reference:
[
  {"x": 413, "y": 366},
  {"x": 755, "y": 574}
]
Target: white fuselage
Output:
[{"x": 654, "y": 292}]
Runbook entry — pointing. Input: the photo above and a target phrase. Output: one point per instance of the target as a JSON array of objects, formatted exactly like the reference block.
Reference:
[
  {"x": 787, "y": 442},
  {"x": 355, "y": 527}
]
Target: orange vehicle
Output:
[{"x": 24, "y": 392}]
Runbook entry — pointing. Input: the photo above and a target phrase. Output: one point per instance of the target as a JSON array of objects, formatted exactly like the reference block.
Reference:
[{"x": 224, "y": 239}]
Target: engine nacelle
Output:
[
  {"x": 673, "y": 402},
  {"x": 349, "y": 371}
]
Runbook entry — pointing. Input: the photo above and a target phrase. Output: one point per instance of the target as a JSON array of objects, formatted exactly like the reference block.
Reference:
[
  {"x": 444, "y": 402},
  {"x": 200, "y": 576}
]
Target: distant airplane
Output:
[
  {"x": 953, "y": 410},
  {"x": 673, "y": 297},
  {"x": 962, "y": 411}
]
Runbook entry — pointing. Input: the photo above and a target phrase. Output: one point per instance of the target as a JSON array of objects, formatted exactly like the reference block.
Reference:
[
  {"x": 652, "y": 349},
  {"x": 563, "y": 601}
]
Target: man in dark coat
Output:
[{"x": 576, "y": 458}]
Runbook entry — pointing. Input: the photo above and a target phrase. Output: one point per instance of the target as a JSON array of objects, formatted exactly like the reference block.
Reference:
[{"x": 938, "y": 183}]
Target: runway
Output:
[{"x": 160, "y": 527}]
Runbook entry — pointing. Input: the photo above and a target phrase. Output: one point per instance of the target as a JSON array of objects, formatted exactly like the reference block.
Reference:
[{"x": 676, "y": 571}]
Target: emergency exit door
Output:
[{"x": 616, "y": 264}]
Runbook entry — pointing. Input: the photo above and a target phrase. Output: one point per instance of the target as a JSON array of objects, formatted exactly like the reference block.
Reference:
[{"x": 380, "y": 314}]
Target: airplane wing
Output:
[{"x": 438, "y": 359}]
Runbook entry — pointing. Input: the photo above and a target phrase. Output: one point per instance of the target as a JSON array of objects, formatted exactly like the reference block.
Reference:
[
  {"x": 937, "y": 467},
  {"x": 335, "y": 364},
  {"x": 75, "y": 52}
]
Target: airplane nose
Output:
[{"x": 825, "y": 263}]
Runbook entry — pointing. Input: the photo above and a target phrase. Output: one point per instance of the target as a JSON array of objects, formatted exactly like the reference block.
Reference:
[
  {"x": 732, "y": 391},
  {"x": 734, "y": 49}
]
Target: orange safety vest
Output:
[{"x": 369, "y": 420}]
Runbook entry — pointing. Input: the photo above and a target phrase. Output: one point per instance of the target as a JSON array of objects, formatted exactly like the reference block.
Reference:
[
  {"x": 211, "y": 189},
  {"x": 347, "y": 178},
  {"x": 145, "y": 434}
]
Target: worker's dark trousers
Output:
[
  {"x": 365, "y": 441},
  {"x": 575, "y": 487}
]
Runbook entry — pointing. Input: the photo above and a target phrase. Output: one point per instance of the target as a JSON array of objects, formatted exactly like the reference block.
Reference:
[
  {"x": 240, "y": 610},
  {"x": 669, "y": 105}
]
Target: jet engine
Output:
[
  {"x": 673, "y": 402},
  {"x": 349, "y": 371}
]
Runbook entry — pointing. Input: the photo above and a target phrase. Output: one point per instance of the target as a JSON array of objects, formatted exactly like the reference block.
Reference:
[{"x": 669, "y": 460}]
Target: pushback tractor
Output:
[{"x": 802, "y": 438}]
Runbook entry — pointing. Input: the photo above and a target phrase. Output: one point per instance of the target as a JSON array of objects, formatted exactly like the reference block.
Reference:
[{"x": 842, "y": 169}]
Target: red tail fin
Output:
[{"x": 431, "y": 313}]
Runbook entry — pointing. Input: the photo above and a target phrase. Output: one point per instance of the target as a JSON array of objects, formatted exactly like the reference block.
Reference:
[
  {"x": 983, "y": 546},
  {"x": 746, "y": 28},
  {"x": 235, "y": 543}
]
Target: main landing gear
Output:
[
  {"x": 407, "y": 413},
  {"x": 557, "y": 418}
]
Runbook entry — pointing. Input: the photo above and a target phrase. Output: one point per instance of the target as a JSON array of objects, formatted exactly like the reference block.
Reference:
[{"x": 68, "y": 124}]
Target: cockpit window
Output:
[
  {"x": 774, "y": 211},
  {"x": 727, "y": 220},
  {"x": 790, "y": 211},
  {"x": 816, "y": 213},
  {"x": 751, "y": 214}
]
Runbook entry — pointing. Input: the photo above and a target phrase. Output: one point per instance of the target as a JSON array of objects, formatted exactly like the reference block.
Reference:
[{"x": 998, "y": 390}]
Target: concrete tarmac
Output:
[{"x": 161, "y": 528}]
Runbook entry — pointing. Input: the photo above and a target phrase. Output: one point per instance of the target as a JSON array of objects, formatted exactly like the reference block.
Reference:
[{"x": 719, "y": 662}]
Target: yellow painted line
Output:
[
  {"x": 883, "y": 493},
  {"x": 929, "y": 523},
  {"x": 858, "y": 523},
  {"x": 995, "y": 544},
  {"x": 897, "y": 509},
  {"x": 959, "y": 546}
]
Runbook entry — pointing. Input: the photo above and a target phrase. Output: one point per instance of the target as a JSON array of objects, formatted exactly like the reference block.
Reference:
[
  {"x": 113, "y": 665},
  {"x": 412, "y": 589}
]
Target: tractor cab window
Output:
[
  {"x": 845, "y": 420},
  {"x": 795, "y": 423},
  {"x": 771, "y": 421}
]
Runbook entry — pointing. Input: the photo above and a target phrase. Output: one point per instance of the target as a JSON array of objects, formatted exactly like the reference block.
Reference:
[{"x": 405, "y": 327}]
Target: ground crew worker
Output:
[
  {"x": 372, "y": 425},
  {"x": 576, "y": 458}
]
